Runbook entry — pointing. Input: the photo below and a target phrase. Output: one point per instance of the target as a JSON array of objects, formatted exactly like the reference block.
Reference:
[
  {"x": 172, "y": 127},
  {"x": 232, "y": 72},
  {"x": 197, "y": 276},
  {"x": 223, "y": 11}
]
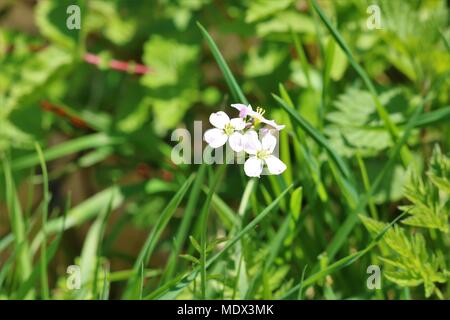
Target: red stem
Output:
[{"x": 119, "y": 65}]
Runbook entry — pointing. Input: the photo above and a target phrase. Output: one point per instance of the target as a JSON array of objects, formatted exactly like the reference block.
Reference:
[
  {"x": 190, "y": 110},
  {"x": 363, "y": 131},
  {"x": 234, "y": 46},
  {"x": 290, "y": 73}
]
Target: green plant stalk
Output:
[
  {"x": 366, "y": 183},
  {"x": 204, "y": 229},
  {"x": 241, "y": 269},
  {"x": 185, "y": 223},
  {"x": 152, "y": 239},
  {"x": 44, "y": 275},
  {"x": 302, "y": 57},
  {"x": 326, "y": 72},
  {"x": 103, "y": 222},
  {"x": 17, "y": 223}
]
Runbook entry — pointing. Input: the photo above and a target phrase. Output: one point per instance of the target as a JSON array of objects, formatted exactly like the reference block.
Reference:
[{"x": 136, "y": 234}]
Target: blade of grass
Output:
[
  {"x": 342, "y": 263},
  {"x": 96, "y": 140},
  {"x": 366, "y": 183},
  {"x": 351, "y": 220},
  {"x": 26, "y": 287},
  {"x": 302, "y": 57},
  {"x": 183, "y": 229},
  {"x": 7, "y": 265},
  {"x": 44, "y": 275},
  {"x": 239, "y": 259},
  {"x": 227, "y": 215},
  {"x": 444, "y": 39},
  {"x": 89, "y": 209},
  {"x": 89, "y": 258},
  {"x": 170, "y": 292},
  {"x": 315, "y": 135},
  {"x": 17, "y": 223},
  {"x": 6, "y": 241},
  {"x": 100, "y": 244},
  {"x": 382, "y": 112},
  {"x": 150, "y": 244},
  {"x": 204, "y": 223},
  {"x": 236, "y": 91},
  {"x": 302, "y": 149},
  {"x": 272, "y": 251},
  {"x": 300, "y": 289}
]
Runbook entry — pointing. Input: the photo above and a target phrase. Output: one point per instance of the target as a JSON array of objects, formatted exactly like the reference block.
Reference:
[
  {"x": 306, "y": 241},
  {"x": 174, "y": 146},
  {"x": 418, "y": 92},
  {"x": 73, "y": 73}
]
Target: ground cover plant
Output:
[{"x": 338, "y": 110}]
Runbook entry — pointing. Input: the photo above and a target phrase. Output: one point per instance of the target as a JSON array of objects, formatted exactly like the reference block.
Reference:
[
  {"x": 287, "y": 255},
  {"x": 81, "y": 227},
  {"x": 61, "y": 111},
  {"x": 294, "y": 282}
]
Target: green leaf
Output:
[
  {"x": 285, "y": 22},
  {"x": 173, "y": 87},
  {"x": 439, "y": 171},
  {"x": 381, "y": 110},
  {"x": 354, "y": 125},
  {"x": 51, "y": 17},
  {"x": 260, "y": 9}
]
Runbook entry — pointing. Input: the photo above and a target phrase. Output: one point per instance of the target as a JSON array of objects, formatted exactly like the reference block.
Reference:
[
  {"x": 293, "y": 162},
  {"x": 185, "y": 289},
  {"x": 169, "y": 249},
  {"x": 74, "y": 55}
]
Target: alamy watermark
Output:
[
  {"x": 73, "y": 281},
  {"x": 73, "y": 21},
  {"x": 374, "y": 20},
  {"x": 374, "y": 280}
]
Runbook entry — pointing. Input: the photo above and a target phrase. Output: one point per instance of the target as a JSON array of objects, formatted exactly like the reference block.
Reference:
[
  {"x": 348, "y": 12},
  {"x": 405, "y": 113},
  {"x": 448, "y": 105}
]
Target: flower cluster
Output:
[{"x": 242, "y": 136}]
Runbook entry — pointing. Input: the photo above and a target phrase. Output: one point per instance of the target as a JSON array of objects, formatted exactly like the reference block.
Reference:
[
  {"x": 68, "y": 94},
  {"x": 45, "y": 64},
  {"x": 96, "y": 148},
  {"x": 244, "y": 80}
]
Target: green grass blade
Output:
[
  {"x": 17, "y": 223},
  {"x": 96, "y": 140},
  {"x": 170, "y": 292},
  {"x": 342, "y": 234},
  {"x": 44, "y": 275},
  {"x": 204, "y": 227},
  {"x": 186, "y": 222},
  {"x": 302, "y": 58},
  {"x": 150, "y": 243},
  {"x": 236, "y": 91},
  {"x": 88, "y": 209},
  {"x": 342, "y": 263},
  {"x": 314, "y": 134},
  {"x": 89, "y": 259},
  {"x": 382, "y": 112}
]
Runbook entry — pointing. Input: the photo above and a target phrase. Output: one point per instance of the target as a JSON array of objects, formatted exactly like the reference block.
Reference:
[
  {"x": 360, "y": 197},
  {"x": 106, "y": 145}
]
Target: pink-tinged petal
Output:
[
  {"x": 219, "y": 119},
  {"x": 215, "y": 137},
  {"x": 237, "y": 123},
  {"x": 236, "y": 141},
  {"x": 243, "y": 109},
  {"x": 253, "y": 167},
  {"x": 275, "y": 165},
  {"x": 251, "y": 142},
  {"x": 269, "y": 142}
]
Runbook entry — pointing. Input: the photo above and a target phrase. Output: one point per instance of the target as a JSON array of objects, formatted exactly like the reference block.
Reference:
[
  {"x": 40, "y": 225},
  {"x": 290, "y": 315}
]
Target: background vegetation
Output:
[{"x": 86, "y": 176}]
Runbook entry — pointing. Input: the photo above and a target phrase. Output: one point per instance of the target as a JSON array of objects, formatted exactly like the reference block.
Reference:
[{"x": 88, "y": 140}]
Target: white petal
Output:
[
  {"x": 236, "y": 141},
  {"x": 253, "y": 167},
  {"x": 273, "y": 124},
  {"x": 243, "y": 109},
  {"x": 215, "y": 137},
  {"x": 269, "y": 142},
  {"x": 251, "y": 142},
  {"x": 275, "y": 165},
  {"x": 219, "y": 119},
  {"x": 237, "y": 123}
]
